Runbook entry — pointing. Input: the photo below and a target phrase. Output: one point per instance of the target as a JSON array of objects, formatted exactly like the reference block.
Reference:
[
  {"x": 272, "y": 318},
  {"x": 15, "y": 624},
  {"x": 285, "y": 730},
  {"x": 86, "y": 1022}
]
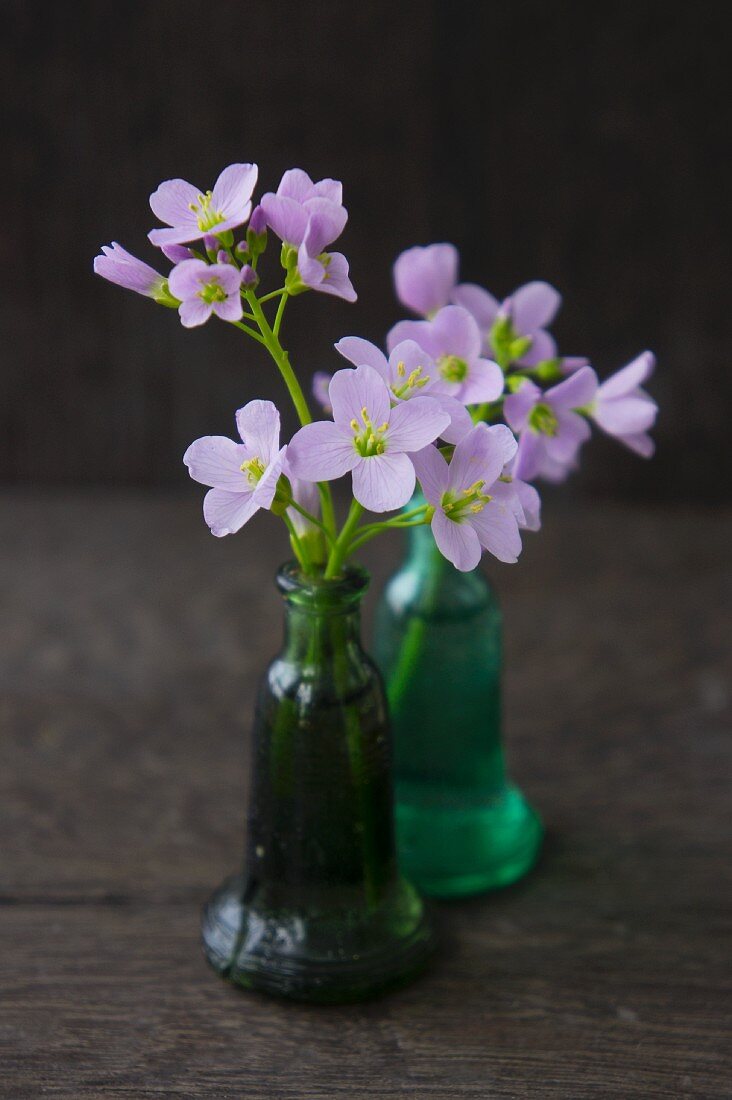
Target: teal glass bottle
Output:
[
  {"x": 462, "y": 826},
  {"x": 321, "y": 912}
]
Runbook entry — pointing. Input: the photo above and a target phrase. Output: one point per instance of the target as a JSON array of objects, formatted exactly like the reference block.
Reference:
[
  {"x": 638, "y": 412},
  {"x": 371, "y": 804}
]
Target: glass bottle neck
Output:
[{"x": 322, "y": 618}]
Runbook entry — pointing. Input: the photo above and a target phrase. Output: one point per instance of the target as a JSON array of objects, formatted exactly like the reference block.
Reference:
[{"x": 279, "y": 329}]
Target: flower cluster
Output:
[{"x": 470, "y": 402}]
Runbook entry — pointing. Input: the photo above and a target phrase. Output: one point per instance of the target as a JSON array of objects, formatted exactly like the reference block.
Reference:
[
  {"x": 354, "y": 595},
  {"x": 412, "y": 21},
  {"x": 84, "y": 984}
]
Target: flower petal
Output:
[
  {"x": 530, "y": 502},
  {"x": 321, "y": 452},
  {"x": 233, "y": 190},
  {"x": 215, "y": 460},
  {"x": 171, "y": 203},
  {"x": 413, "y": 424},
  {"x": 517, "y": 406},
  {"x": 498, "y": 531},
  {"x": 327, "y": 189},
  {"x": 640, "y": 443},
  {"x": 625, "y": 415},
  {"x": 180, "y": 235},
  {"x": 424, "y": 277},
  {"x": 186, "y": 278},
  {"x": 457, "y": 542},
  {"x": 266, "y": 487},
  {"x": 419, "y": 331},
  {"x": 506, "y": 440},
  {"x": 362, "y": 352},
  {"x": 485, "y": 382},
  {"x": 326, "y": 222},
  {"x": 572, "y": 432},
  {"x": 477, "y": 457},
  {"x": 533, "y": 306},
  {"x": 461, "y": 422},
  {"x": 285, "y": 217},
  {"x": 194, "y": 312},
  {"x": 628, "y": 378},
  {"x": 454, "y": 331},
  {"x": 382, "y": 483},
  {"x": 230, "y": 309},
  {"x": 258, "y": 424},
  {"x": 432, "y": 471},
  {"x": 543, "y": 346},
  {"x": 295, "y": 184},
  {"x": 574, "y": 392},
  {"x": 226, "y": 513},
  {"x": 478, "y": 302},
  {"x": 352, "y": 391},
  {"x": 530, "y": 455},
  {"x": 335, "y": 278}
]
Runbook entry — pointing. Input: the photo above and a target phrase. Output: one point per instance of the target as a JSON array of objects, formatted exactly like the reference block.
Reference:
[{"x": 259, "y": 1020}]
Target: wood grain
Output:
[{"x": 130, "y": 646}]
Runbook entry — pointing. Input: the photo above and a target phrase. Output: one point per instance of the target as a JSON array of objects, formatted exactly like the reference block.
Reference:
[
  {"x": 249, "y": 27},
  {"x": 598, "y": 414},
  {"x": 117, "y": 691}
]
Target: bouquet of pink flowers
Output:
[{"x": 473, "y": 401}]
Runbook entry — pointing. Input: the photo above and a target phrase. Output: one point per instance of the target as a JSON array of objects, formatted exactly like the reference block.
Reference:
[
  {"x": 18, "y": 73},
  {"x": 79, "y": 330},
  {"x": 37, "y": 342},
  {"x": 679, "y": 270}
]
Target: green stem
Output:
[
  {"x": 313, "y": 519},
  {"x": 272, "y": 294},
  {"x": 249, "y": 331},
  {"x": 340, "y": 550},
  {"x": 299, "y": 548},
  {"x": 376, "y": 528},
  {"x": 414, "y": 639},
  {"x": 271, "y": 341},
  {"x": 280, "y": 313},
  {"x": 281, "y": 358}
]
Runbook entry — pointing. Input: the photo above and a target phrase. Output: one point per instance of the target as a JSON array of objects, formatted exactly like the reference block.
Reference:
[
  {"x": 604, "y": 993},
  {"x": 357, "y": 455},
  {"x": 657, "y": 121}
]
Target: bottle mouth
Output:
[{"x": 319, "y": 592}]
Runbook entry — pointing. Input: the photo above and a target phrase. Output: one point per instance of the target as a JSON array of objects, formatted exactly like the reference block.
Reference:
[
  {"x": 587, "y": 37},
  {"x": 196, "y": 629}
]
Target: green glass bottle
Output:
[
  {"x": 321, "y": 912},
  {"x": 462, "y": 826}
]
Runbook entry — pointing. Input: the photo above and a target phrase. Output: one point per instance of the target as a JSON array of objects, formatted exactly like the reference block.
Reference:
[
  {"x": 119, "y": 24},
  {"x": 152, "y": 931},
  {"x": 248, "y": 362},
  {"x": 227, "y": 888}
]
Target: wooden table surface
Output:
[{"x": 130, "y": 643}]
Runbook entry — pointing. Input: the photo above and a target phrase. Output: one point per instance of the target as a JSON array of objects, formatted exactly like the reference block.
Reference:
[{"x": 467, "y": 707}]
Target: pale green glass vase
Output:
[{"x": 462, "y": 826}]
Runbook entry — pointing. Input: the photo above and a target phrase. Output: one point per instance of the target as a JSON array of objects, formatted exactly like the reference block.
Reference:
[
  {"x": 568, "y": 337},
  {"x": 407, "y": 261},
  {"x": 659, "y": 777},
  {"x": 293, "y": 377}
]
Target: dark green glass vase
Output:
[
  {"x": 462, "y": 826},
  {"x": 321, "y": 912}
]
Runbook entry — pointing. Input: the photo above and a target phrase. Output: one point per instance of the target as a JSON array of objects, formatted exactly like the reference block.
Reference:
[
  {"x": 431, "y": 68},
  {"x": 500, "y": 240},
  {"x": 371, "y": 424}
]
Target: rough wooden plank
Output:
[{"x": 130, "y": 646}]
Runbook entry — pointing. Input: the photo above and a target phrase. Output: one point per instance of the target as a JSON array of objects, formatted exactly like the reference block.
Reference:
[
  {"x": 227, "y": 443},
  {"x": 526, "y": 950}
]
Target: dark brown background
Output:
[{"x": 576, "y": 142}]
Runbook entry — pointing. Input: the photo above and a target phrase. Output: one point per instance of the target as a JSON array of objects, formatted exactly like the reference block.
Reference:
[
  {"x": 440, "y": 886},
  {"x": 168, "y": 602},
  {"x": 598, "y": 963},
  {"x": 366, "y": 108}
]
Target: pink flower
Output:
[
  {"x": 470, "y": 514},
  {"x": 119, "y": 266},
  {"x": 624, "y": 410},
  {"x": 192, "y": 214},
  {"x": 368, "y": 439},
  {"x": 243, "y": 476},
  {"x": 409, "y": 372},
  {"x": 452, "y": 339},
  {"x": 204, "y": 289},
  {"x": 550, "y": 428},
  {"x": 424, "y": 278},
  {"x": 527, "y": 311},
  {"x": 326, "y": 272},
  {"x": 288, "y": 211}
]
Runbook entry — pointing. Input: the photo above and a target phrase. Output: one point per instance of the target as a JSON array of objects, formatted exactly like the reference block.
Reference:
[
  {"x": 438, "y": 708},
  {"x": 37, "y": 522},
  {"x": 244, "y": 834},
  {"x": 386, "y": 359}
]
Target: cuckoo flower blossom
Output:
[
  {"x": 191, "y": 214},
  {"x": 468, "y": 515},
  {"x": 320, "y": 270},
  {"x": 204, "y": 289},
  {"x": 521, "y": 318},
  {"x": 243, "y": 476},
  {"x": 624, "y": 410},
  {"x": 409, "y": 372},
  {"x": 368, "y": 439},
  {"x": 424, "y": 278},
  {"x": 289, "y": 210},
  {"x": 121, "y": 267},
  {"x": 452, "y": 339},
  {"x": 550, "y": 428}
]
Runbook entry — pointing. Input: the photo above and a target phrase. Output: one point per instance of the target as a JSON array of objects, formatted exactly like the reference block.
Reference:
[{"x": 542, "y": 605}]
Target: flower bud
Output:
[
  {"x": 249, "y": 277},
  {"x": 176, "y": 253},
  {"x": 223, "y": 257},
  {"x": 210, "y": 242}
]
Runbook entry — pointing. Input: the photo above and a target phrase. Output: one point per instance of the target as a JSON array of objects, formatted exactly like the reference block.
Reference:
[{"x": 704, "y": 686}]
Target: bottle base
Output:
[
  {"x": 317, "y": 959},
  {"x": 449, "y": 849}
]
